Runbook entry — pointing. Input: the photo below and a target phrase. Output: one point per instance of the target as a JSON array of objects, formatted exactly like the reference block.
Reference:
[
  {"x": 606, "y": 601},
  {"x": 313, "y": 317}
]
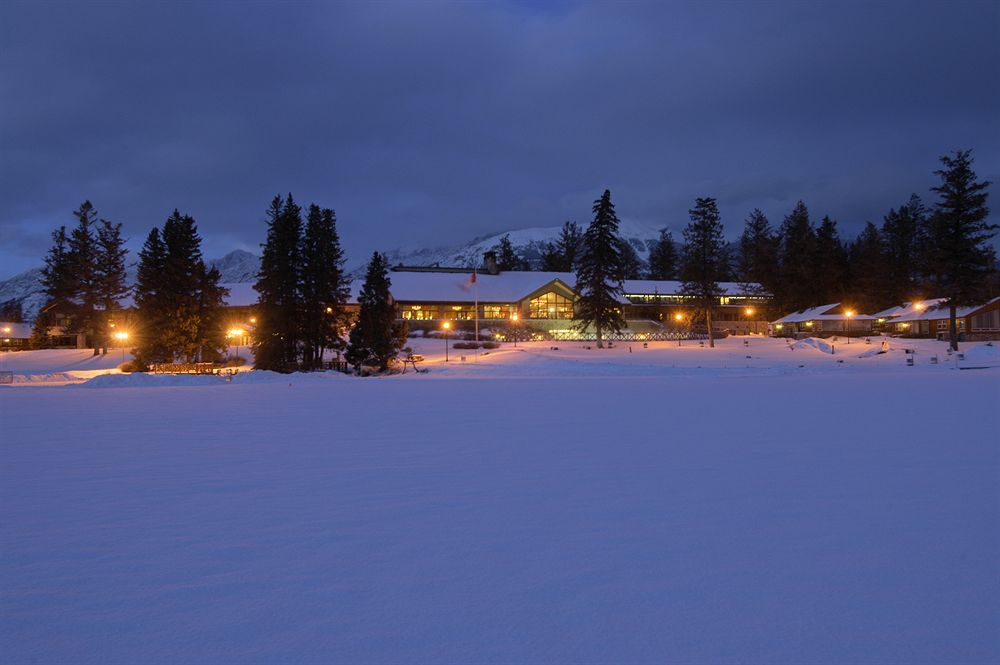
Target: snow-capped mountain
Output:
[
  {"x": 240, "y": 266},
  {"x": 528, "y": 243}
]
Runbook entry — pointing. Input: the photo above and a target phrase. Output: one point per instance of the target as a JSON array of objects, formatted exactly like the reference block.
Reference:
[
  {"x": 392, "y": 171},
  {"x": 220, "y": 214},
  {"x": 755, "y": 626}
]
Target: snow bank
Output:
[
  {"x": 814, "y": 343},
  {"x": 50, "y": 377},
  {"x": 139, "y": 379},
  {"x": 987, "y": 352}
]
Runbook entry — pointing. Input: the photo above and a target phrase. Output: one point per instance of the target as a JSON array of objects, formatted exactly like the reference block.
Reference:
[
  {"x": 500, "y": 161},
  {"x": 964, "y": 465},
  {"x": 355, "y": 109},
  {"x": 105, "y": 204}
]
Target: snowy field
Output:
[{"x": 667, "y": 504}]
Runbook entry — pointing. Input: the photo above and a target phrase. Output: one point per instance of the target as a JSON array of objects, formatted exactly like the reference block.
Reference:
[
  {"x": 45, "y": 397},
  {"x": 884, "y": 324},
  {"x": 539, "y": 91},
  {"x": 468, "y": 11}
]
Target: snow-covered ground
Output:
[{"x": 660, "y": 505}]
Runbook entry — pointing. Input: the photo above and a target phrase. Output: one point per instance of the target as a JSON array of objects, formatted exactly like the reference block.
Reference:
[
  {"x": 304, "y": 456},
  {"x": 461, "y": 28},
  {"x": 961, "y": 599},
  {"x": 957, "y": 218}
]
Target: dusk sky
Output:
[{"x": 427, "y": 124}]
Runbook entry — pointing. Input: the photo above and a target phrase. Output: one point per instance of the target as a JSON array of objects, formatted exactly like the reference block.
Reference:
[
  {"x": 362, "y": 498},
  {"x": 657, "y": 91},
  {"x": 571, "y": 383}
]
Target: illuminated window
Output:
[
  {"x": 419, "y": 312},
  {"x": 550, "y": 306},
  {"x": 496, "y": 311}
]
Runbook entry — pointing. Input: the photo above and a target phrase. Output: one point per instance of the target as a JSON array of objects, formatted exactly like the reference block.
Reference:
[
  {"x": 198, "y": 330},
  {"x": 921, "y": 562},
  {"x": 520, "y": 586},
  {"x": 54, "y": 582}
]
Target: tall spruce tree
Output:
[
  {"x": 663, "y": 257},
  {"x": 109, "y": 276},
  {"x": 59, "y": 287},
  {"x": 795, "y": 289},
  {"x": 82, "y": 260},
  {"x": 632, "y": 266},
  {"x": 150, "y": 301},
  {"x": 868, "y": 271},
  {"x": 599, "y": 273},
  {"x": 561, "y": 255},
  {"x": 211, "y": 330},
  {"x": 900, "y": 234},
  {"x": 181, "y": 278},
  {"x": 830, "y": 263},
  {"x": 376, "y": 337},
  {"x": 757, "y": 255},
  {"x": 278, "y": 286},
  {"x": 704, "y": 259},
  {"x": 957, "y": 257},
  {"x": 325, "y": 286}
]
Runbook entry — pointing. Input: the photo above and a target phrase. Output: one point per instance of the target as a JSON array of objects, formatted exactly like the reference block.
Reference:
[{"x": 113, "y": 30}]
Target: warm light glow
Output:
[
  {"x": 513, "y": 317},
  {"x": 235, "y": 332},
  {"x": 253, "y": 319},
  {"x": 778, "y": 327},
  {"x": 906, "y": 325},
  {"x": 678, "y": 317},
  {"x": 748, "y": 311},
  {"x": 329, "y": 310},
  {"x": 809, "y": 324},
  {"x": 446, "y": 325},
  {"x": 918, "y": 306},
  {"x": 6, "y": 329},
  {"x": 121, "y": 336},
  {"x": 849, "y": 313}
]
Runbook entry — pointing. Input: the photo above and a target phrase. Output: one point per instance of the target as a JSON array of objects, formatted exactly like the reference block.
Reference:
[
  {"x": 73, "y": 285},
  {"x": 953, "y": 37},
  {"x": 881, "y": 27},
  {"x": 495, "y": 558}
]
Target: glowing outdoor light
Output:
[
  {"x": 446, "y": 326},
  {"x": 121, "y": 336},
  {"x": 6, "y": 329},
  {"x": 919, "y": 306},
  {"x": 809, "y": 324},
  {"x": 514, "y": 317},
  {"x": 678, "y": 317},
  {"x": 847, "y": 326},
  {"x": 253, "y": 319},
  {"x": 236, "y": 333},
  {"x": 329, "y": 310}
]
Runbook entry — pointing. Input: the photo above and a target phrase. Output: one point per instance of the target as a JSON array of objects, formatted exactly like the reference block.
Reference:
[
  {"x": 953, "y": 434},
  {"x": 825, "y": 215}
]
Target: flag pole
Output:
[{"x": 475, "y": 286}]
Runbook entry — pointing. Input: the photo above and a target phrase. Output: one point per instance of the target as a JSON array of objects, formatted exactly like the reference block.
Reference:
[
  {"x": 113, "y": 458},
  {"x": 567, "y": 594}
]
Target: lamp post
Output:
[
  {"x": 122, "y": 336},
  {"x": 446, "y": 326},
  {"x": 514, "y": 317},
  {"x": 236, "y": 334},
  {"x": 749, "y": 312},
  {"x": 678, "y": 317},
  {"x": 847, "y": 324}
]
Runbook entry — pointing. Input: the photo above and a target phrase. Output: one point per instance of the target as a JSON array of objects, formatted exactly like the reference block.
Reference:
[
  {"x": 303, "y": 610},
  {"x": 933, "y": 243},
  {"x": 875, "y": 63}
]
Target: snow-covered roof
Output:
[
  {"x": 508, "y": 286},
  {"x": 821, "y": 313},
  {"x": 940, "y": 311},
  {"x": 908, "y": 308},
  {"x": 672, "y": 287},
  {"x": 11, "y": 330}
]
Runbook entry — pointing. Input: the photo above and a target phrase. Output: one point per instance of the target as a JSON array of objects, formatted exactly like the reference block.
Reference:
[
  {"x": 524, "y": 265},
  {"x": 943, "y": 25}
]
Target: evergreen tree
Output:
[
  {"x": 552, "y": 260},
  {"x": 868, "y": 271},
  {"x": 376, "y": 338},
  {"x": 795, "y": 289},
  {"x": 599, "y": 273},
  {"x": 59, "y": 286},
  {"x": 182, "y": 281},
  {"x": 82, "y": 266},
  {"x": 150, "y": 302},
  {"x": 957, "y": 256},
  {"x": 507, "y": 258},
  {"x": 211, "y": 329},
  {"x": 109, "y": 275},
  {"x": 279, "y": 287},
  {"x": 757, "y": 255},
  {"x": 325, "y": 286},
  {"x": 830, "y": 263},
  {"x": 663, "y": 257},
  {"x": 704, "y": 259},
  {"x": 632, "y": 266},
  {"x": 561, "y": 255},
  {"x": 900, "y": 233}
]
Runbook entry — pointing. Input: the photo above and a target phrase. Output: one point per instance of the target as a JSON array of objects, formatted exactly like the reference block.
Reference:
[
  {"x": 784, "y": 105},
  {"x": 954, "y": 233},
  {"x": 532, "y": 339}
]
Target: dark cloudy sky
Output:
[{"x": 422, "y": 123}]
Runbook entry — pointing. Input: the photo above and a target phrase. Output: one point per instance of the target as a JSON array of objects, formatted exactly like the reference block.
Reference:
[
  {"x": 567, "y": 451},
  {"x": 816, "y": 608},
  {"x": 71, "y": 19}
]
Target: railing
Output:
[
  {"x": 7, "y": 377},
  {"x": 628, "y": 336},
  {"x": 184, "y": 368}
]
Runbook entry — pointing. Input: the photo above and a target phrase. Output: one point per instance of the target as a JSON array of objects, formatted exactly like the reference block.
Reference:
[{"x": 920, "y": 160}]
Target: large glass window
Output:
[
  {"x": 496, "y": 311},
  {"x": 550, "y": 306},
  {"x": 419, "y": 312}
]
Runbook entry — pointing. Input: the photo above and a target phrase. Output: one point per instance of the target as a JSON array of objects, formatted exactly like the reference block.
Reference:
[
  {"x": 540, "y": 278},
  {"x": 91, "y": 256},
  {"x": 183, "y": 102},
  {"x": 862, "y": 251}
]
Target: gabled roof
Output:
[
  {"x": 506, "y": 287},
  {"x": 908, "y": 308},
  {"x": 821, "y": 313},
  {"x": 941, "y": 311}
]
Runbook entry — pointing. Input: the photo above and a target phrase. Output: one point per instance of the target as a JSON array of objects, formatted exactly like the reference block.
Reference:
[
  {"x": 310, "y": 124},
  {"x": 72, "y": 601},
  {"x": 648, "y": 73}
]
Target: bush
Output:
[
  {"x": 491, "y": 345},
  {"x": 128, "y": 367}
]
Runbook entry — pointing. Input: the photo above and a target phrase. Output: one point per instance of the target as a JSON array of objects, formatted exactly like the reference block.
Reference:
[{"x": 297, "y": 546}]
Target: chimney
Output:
[{"x": 490, "y": 263}]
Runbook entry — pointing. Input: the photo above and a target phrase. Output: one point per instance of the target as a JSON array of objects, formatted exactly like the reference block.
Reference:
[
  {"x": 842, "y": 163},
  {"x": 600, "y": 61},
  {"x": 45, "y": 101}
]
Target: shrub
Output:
[
  {"x": 491, "y": 345},
  {"x": 128, "y": 367}
]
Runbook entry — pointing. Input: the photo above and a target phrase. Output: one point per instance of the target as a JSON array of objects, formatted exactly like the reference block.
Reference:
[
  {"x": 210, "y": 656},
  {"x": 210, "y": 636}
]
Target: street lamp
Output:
[
  {"x": 847, "y": 323},
  {"x": 749, "y": 312},
  {"x": 678, "y": 317},
  {"x": 237, "y": 334},
  {"x": 514, "y": 317},
  {"x": 446, "y": 326},
  {"x": 122, "y": 337}
]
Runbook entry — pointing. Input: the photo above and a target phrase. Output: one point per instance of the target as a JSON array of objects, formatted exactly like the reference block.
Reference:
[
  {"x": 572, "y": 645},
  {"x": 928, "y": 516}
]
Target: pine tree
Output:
[
  {"x": 561, "y": 255},
  {"x": 868, "y": 270},
  {"x": 757, "y": 256},
  {"x": 59, "y": 286},
  {"x": 797, "y": 251},
  {"x": 279, "y": 321},
  {"x": 830, "y": 262},
  {"x": 325, "y": 286},
  {"x": 552, "y": 260},
  {"x": 376, "y": 338},
  {"x": 211, "y": 299},
  {"x": 663, "y": 257},
  {"x": 704, "y": 259},
  {"x": 631, "y": 265},
  {"x": 181, "y": 284},
  {"x": 109, "y": 275},
  {"x": 957, "y": 257},
  {"x": 507, "y": 258},
  {"x": 599, "y": 273},
  {"x": 150, "y": 302},
  {"x": 900, "y": 233},
  {"x": 82, "y": 260}
]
